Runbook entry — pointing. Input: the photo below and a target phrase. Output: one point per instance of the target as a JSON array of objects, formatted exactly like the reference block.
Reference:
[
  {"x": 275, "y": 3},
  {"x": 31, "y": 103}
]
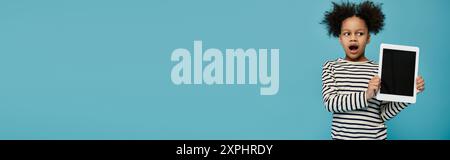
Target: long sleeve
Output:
[
  {"x": 335, "y": 102},
  {"x": 391, "y": 109}
]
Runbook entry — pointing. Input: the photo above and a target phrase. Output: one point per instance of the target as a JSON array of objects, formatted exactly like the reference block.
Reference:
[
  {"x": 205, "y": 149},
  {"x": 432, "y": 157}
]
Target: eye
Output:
[
  {"x": 346, "y": 34},
  {"x": 360, "y": 33}
]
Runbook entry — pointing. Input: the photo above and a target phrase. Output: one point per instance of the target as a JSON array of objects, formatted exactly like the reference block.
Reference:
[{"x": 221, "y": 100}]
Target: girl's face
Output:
[{"x": 353, "y": 38}]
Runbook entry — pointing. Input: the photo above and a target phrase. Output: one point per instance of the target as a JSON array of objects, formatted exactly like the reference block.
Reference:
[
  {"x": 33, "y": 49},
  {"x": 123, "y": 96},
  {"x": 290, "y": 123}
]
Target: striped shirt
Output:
[{"x": 344, "y": 84}]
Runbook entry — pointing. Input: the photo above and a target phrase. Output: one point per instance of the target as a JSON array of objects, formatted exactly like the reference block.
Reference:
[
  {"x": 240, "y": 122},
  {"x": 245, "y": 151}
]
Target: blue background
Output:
[{"x": 101, "y": 69}]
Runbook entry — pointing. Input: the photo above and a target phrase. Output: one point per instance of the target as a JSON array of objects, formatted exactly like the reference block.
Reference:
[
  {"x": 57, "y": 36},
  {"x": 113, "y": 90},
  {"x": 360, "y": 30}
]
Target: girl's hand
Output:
[
  {"x": 374, "y": 86},
  {"x": 420, "y": 84}
]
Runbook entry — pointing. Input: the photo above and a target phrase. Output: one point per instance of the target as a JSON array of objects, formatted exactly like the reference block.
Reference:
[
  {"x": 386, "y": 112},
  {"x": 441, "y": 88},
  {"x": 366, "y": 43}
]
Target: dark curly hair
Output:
[{"x": 368, "y": 11}]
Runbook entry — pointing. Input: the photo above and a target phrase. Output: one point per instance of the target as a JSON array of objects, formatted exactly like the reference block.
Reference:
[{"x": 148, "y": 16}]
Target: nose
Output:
[{"x": 353, "y": 38}]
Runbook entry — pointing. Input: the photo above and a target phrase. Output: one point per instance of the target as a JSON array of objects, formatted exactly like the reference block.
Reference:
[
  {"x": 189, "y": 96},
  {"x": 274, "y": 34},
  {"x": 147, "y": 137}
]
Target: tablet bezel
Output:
[{"x": 392, "y": 97}]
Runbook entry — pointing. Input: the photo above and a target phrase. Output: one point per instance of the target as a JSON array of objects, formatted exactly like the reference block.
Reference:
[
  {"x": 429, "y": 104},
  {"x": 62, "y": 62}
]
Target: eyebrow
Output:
[{"x": 350, "y": 30}]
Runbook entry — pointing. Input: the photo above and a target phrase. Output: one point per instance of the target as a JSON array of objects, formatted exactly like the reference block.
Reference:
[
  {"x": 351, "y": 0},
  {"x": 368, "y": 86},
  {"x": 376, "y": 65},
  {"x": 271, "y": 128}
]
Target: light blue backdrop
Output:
[{"x": 101, "y": 69}]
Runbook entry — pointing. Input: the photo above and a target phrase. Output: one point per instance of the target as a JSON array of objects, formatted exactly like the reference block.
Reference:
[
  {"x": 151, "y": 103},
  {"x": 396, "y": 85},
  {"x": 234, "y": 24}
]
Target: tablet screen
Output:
[{"x": 398, "y": 71}]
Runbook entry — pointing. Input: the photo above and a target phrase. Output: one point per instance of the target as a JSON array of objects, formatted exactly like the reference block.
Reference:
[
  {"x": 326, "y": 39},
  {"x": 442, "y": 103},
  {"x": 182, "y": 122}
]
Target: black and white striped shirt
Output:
[{"x": 344, "y": 84}]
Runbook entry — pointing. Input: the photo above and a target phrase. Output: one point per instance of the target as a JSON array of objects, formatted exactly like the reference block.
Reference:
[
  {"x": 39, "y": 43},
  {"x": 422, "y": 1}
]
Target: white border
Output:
[{"x": 398, "y": 98}]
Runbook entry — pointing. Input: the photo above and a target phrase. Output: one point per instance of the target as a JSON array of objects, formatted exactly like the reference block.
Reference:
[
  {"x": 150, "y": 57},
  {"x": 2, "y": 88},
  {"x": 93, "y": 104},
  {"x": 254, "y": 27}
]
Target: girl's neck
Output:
[{"x": 360, "y": 59}]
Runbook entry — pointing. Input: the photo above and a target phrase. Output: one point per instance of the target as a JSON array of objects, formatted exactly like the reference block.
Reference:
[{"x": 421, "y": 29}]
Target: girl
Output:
[{"x": 349, "y": 85}]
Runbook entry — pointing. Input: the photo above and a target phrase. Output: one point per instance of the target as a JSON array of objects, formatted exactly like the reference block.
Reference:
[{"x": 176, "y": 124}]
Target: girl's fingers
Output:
[
  {"x": 420, "y": 80},
  {"x": 420, "y": 84},
  {"x": 421, "y": 88}
]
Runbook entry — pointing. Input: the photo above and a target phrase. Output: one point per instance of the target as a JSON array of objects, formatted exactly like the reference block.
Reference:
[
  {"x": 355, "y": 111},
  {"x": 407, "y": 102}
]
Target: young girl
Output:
[{"x": 349, "y": 85}]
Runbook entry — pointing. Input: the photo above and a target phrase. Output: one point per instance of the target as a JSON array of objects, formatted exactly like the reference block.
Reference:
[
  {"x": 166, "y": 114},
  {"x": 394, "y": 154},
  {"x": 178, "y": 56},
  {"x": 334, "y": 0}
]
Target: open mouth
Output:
[{"x": 353, "y": 48}]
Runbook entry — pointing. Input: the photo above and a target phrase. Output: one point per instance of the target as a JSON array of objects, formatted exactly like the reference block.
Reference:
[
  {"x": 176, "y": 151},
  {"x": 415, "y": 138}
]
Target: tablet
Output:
[{"x": 398, "y": 71}]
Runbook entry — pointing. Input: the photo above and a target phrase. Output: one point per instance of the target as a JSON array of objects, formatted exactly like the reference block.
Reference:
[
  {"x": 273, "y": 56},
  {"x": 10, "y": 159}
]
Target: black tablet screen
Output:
[{"x": 397, "y": 76}]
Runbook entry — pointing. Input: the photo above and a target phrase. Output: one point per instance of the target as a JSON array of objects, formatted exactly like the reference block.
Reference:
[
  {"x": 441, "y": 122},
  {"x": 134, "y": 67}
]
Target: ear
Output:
[
  {"x": 340, "y": 39},
  {"x": 368, "y": 38}
]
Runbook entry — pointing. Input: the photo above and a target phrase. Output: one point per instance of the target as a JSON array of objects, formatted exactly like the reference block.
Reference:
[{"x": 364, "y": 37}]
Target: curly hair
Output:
[{"x": 368, "y": 11}]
